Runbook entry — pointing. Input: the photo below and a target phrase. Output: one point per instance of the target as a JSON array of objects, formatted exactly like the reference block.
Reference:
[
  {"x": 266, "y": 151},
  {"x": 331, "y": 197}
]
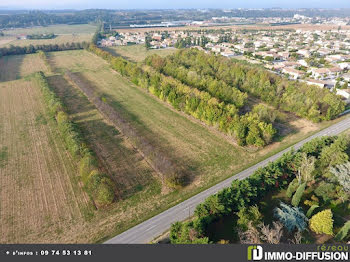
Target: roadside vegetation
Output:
[{"x": 303, "y": 197}]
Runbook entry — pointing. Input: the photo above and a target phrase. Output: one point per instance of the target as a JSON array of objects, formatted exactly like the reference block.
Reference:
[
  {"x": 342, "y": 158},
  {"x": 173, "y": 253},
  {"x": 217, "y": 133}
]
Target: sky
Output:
[{"x": 161, "y": 4}]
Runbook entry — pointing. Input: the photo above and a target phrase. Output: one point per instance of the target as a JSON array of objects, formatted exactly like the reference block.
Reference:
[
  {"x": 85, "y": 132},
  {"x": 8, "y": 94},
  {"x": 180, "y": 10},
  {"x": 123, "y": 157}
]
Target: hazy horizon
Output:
[{"x": 180, "y": 4}]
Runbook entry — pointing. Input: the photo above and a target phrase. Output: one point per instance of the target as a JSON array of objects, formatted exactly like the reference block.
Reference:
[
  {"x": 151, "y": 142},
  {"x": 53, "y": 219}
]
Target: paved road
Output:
[{"x": 155, "y": 226}]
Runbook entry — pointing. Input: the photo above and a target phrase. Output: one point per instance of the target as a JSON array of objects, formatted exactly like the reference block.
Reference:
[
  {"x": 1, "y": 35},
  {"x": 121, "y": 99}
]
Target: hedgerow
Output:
[
  {"x": 311, "y": 102},
  {"x": 99, "y": 186}
]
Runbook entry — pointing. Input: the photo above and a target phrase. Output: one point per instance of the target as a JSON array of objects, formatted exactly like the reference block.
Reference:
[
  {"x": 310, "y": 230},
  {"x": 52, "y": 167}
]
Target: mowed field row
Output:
[
  {"x": 19, "y": 66},
  {"x": 40, "y": 196}
]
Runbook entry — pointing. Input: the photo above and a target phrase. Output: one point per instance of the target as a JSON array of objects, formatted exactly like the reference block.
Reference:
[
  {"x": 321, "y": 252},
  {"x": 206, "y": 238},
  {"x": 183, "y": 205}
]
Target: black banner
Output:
[{"x": 163, "y": 253}]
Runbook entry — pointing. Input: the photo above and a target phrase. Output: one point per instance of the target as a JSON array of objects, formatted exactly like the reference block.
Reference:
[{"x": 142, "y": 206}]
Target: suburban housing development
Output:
[{"x": 317, "y": 56}]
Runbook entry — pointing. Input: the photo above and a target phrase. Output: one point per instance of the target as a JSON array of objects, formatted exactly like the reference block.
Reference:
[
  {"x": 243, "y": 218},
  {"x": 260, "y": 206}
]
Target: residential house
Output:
[{"x": 294, "y": 73}]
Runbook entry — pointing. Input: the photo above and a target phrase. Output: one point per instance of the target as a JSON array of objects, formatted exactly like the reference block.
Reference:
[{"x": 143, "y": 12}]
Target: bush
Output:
[
  {"x": 291, "y": 217},
  {"x": 343, "y": 232},
  {"x": 184, "y": 233},
  {"x": 246, "y": 215},
  {"x": 322, "y": 222},
  {"x": 292, "y": 188},
  {"x": 105, "y": 192},
  {"x": 86, "y": 165},
  {"x": 311, "y": 210},
  {"x": 342, "y": 173},
  {"x": 325, "y": 190},
  {"x": 298, "y": 194}
]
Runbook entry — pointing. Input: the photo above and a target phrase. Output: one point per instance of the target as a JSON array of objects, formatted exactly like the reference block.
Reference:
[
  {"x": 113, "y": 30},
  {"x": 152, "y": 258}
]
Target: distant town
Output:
[{"x": 317, "y": 57}]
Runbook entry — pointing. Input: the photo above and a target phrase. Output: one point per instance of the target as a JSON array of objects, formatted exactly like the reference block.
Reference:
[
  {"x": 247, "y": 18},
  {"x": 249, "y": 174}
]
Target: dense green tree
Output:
[
  {"x": 292, "y": 188},
  {"x": 343, "y": 232},
  {"x": 325, "y": 190},
  {"x": 298, "y": 194},
  {"x": 335, "y": 153},
  {"x": 342, "y": 173}
]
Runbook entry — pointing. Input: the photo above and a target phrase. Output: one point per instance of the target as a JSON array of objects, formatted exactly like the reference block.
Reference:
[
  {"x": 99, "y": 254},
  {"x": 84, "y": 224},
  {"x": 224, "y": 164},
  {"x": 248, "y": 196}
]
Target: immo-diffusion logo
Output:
[
  {"x": 326, "y": 253},
  {"x": 255, "y": 253}
]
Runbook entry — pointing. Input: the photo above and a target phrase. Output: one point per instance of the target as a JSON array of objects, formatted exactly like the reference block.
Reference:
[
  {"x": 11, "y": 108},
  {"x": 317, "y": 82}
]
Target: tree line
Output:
[
  {"x": 41, "y": 36},
  {"x": 98, "y": 185},
  {"x": 247, "y": 129},
  {"x": 216, "y": 88},
  {"x": 296, "y": 170},
  {"x": 30, "y": 49},
  {"x": 305, "y": 101}
]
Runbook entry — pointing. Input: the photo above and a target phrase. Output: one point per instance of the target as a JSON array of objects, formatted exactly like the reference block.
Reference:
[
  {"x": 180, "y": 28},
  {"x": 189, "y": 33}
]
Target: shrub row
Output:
[
  {"x": 98, "y": 185},
  {"x": 247, "y": 129},
  {"x": 311, "y": 102},
  {"x": 44, "y": 57},
  {"x": 215, "y": 87}
]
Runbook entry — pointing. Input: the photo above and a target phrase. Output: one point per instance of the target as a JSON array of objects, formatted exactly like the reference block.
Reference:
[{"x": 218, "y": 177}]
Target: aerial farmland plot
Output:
[
  {"x": 59, "y": 39},
  {"x": 64, "y": 34},
  {"x": 19, "y": 66},
  {"x": 75, "y": 61},
  {"x": 192, "y": 144},
  {"x": 138, "y": 53},
  {"x": 40, "y": 197},
  {"x": 207, "y": 155},
  {"x": 40, "y": 174}
]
